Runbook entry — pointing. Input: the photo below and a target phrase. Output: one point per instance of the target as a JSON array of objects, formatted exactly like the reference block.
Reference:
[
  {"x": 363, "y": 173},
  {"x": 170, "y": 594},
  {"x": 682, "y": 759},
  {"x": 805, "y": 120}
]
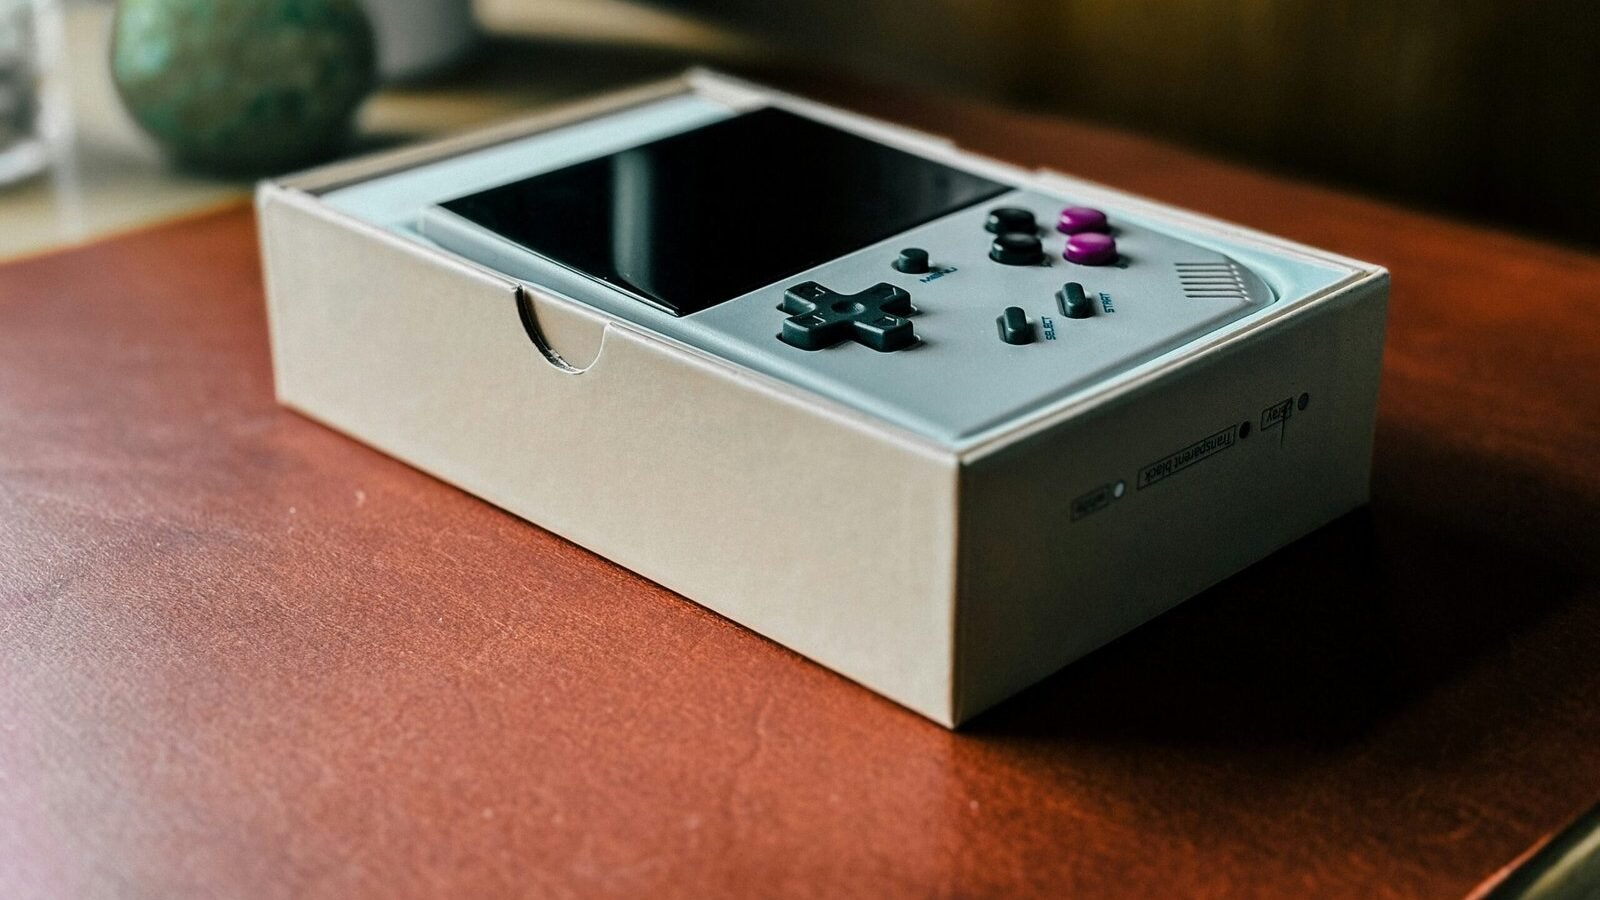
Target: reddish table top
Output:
[{"x": 241, "y": 655}]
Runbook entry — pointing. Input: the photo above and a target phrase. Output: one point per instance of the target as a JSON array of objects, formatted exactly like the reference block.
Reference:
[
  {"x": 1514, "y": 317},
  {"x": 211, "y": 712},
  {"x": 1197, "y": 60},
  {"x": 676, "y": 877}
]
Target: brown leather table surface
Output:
[{"x": 244, "y": 656}]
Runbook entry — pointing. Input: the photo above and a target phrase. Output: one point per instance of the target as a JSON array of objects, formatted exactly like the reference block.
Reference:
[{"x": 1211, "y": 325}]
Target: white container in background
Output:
[{"x": 29, "y": 46}]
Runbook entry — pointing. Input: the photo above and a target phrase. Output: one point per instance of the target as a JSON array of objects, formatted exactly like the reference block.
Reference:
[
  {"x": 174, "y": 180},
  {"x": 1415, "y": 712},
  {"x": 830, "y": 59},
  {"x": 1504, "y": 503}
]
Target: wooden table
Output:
[{"x": 242, "y": 655}]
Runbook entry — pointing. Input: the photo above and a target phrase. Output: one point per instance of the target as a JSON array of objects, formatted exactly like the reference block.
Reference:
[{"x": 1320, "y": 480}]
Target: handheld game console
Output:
[{"x": 940, "y": 298}]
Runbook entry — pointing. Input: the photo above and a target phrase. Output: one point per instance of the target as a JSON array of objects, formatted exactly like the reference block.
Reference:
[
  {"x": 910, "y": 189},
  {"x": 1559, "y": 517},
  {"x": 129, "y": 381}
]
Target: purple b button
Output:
[
  {"x": 1078, "y": 219},
  {"x": 1091, "y": 249}
]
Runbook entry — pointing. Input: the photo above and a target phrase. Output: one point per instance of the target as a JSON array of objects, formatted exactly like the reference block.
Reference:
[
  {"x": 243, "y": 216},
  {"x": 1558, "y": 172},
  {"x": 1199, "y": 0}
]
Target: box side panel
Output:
[
  {"x": 822, "y": 534},
  {"x": 1080, "y": 533}
]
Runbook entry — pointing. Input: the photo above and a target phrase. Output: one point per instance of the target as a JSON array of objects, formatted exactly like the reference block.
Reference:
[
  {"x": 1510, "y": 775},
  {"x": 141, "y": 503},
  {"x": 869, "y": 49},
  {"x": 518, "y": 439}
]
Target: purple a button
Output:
[{"x": 1091, "y": 249}]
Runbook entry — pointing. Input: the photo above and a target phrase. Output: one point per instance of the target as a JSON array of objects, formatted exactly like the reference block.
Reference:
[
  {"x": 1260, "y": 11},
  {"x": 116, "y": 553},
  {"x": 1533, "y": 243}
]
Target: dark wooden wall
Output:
[{"x": 1486, "y": 108}]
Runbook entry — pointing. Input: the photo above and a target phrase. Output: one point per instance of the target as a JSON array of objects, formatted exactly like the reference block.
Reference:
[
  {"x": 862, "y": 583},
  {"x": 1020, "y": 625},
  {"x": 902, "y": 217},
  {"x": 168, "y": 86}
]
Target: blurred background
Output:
[{"x": 1482, "y": 109}]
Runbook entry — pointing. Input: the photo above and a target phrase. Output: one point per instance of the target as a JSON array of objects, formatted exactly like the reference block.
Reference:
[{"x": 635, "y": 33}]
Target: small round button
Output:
[
  {"x": 1091, "y": 249},
  {"x": 912, "y": 261},
  {"x": 1016, "y": 250},
  {"x": 1078, "y": 219},
  {"x": 1009, "y": 219}
]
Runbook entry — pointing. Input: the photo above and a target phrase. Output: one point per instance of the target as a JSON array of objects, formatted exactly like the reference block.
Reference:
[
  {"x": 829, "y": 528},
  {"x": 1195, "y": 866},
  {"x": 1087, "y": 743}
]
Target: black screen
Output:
[{"x": 701, "y": 217}]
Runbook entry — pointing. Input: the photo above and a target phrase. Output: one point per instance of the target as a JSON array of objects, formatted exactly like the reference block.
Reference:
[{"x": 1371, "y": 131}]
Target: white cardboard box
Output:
[{"x": 978, "y": 582}]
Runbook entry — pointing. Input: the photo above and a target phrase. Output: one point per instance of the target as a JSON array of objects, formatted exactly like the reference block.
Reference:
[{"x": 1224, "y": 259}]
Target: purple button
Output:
[
  {"x": 1091, "y": 249},
  {"x": 1078, "y": 219}
]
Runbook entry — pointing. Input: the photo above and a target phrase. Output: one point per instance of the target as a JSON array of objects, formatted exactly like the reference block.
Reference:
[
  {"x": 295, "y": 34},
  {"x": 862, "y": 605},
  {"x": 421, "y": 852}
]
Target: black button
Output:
[
  {"x": 1010, "y": 219},
  {"x": 820, "y": 318},
  {"x": 1075, "y": 304},
  {"x": 1016, "y": 250},
  {"x": 1014, "y": 326},
  {"x": 912, "y": 261}
]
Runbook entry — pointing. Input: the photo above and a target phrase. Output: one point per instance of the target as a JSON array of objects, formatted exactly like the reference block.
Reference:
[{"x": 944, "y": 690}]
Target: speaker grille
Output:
[{"x": 1212, "y": 281}]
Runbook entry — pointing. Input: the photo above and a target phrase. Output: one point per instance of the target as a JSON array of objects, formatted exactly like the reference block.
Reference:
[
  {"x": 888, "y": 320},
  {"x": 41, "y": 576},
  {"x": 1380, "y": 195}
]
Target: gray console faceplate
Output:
[{"x": 960, "y": 380}]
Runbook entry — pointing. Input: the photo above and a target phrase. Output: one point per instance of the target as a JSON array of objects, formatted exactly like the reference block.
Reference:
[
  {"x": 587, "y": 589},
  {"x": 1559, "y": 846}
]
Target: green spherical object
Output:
[{"x": 244, "y": 87}]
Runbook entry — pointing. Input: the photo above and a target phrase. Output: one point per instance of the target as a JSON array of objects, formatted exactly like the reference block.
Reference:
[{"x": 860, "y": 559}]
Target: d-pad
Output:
[{"x": 820, "y": 318}]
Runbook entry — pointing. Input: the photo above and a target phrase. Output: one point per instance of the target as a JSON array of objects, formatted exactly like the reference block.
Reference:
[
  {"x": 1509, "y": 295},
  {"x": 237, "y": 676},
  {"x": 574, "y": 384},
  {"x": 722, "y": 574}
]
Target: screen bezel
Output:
[{"x": 970, "y": 188}]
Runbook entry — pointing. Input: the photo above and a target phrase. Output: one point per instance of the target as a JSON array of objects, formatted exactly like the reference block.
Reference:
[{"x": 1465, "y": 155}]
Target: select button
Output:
[{"x": 1014, "y": 326}]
